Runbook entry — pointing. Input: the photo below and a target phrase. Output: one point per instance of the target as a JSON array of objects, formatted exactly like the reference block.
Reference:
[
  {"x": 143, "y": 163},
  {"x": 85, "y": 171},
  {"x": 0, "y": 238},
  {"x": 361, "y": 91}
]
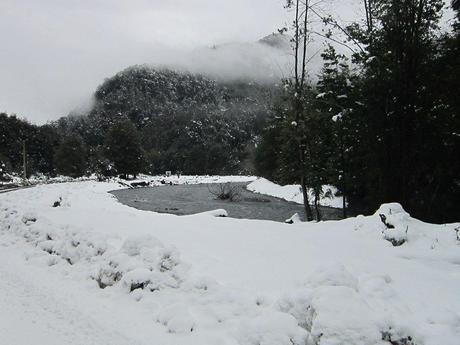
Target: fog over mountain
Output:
[{"x": 54, "y": 54}]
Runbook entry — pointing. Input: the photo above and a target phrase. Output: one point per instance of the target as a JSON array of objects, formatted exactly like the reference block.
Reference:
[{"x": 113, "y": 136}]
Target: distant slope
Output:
[
  {"x": 278, "y": 41},
  {"x": 187, "y": 122}
]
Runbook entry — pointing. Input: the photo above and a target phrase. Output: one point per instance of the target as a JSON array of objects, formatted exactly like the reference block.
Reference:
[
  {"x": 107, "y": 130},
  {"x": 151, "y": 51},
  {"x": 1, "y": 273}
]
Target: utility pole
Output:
[{"x": 24, "y": 160}]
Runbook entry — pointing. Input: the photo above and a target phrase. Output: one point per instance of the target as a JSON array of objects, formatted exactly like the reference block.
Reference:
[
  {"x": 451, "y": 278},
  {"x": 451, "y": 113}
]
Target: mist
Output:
[{"x": 54, "y": 54}]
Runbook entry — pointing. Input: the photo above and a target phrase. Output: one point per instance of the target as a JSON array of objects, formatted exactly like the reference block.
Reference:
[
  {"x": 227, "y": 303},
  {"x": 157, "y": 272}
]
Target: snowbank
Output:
[
  {"x": 159, "y": 180},
  {"x": 92, "y": 270},
  {"x": 142, "y": 180},
  {"x": 294, "y": 192}
]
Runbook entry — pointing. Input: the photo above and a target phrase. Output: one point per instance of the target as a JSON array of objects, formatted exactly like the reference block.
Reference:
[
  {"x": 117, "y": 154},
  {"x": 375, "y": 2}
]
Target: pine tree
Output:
[
  {"x": 123, "y": 148},
  {"x": 70, "y": 157},
  {"x": 400, "y": 136},
  {"x": 339, "y": 98}
]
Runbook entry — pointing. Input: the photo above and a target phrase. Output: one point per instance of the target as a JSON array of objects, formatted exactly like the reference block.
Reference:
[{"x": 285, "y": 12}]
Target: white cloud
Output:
[{"x": 54, "y": 53}]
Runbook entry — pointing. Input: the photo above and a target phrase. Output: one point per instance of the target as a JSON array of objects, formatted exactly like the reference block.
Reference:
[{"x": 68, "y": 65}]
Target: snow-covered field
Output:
[{"x": 93, "y": 271}]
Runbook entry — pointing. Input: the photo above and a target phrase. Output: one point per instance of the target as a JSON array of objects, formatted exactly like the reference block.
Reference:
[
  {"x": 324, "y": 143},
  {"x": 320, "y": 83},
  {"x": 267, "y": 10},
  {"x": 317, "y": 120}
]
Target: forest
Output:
[{"x": 380, "y": 123}]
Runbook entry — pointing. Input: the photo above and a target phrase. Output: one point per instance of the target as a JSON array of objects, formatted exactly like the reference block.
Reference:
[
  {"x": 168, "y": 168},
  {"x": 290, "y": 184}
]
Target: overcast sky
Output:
[{"x": 54, "y": 53}]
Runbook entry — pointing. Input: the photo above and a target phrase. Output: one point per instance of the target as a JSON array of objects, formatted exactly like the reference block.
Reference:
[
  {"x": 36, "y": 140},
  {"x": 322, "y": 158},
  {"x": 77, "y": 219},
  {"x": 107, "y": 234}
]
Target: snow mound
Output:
[
  {"x": 333, "y": 275},
  {"x": 142, "y": 262},
  {"x": 177, "y": 319},
  {"x": 339, "y": 308},
  {"x": 273, "y": 329},
  {"x": 294, "y": 219},
  {"x": 399, "y": 228},
  {"x": 213, "y": 213}
]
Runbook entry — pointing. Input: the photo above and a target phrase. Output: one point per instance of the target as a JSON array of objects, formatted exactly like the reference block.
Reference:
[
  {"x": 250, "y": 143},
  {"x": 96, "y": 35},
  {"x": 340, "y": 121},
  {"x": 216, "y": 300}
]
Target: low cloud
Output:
[{"x": 55, "y": 53}]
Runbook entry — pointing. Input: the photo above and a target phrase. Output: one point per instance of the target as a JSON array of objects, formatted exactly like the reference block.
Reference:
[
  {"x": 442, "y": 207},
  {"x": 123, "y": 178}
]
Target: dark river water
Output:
[{"x": 189, "y": 199}]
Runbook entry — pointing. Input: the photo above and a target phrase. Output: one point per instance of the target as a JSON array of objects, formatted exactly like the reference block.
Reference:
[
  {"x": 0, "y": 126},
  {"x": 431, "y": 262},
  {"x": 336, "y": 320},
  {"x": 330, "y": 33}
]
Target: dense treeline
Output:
[
  {"x": 387, "y": 128},
  {"x": 147, "y": 120},
  {"x": 40, "y": 143}
]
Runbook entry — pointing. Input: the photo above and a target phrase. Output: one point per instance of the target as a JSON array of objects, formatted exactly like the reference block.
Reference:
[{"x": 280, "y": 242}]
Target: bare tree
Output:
[
  {"x": 300, "y": 40},
  {"x": 368, "y": 7},
  {"x": 225, "y": 191}
]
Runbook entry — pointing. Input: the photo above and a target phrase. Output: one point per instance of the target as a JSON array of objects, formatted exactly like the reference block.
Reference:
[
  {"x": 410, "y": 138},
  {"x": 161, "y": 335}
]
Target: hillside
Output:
[{"x": 186, "y": 122}]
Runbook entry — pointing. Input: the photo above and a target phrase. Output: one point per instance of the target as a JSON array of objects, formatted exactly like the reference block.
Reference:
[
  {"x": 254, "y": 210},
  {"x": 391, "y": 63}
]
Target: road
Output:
[{"x": 11, "y": 188}]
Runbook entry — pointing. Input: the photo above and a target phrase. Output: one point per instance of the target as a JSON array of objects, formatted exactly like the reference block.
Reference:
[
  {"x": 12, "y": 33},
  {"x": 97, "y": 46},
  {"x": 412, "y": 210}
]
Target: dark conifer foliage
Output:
[
  {"x": 38, "y": 141},
  {"x": 123, "y": 148},
  {"x": 186, "y": 122},
  {"x": 71, "y": 157},
  {"x": 393, "y": 117}
]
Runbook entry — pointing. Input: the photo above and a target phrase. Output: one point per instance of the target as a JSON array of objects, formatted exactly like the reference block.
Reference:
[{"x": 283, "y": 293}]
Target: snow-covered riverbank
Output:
[{"x": 93, "y": 271}]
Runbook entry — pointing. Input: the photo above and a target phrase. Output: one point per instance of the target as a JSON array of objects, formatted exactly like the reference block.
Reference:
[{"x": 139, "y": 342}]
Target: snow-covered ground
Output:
[
  {"x": 256, "y": 184},
  {"x": 93, "y": 271},
  {"x": 193, "y": 179},
  {"x": 152, "y": 180},
  {"x": 293, "y": 192}
]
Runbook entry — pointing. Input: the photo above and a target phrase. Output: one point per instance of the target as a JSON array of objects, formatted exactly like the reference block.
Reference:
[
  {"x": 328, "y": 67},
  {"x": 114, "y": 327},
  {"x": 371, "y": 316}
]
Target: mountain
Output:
[{"x": 187, "y": 122}]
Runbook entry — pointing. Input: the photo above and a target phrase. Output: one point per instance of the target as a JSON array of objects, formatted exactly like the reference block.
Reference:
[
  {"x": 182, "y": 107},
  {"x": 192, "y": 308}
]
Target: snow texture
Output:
[{"x": 94, "y": 271}]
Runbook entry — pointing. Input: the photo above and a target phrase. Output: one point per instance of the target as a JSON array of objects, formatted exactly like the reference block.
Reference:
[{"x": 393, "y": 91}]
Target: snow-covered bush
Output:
[
  {"x": 142, "y": 262},
  {"x": 225, "y": 191},
  {"x": 395, "y": 220}
]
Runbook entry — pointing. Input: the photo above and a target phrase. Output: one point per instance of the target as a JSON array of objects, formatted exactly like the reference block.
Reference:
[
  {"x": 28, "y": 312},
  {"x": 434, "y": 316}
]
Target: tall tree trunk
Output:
[
  {"x": 344, "y": 180},
  {"x": 306, "y": 203},
  {"x": 24, "y": 160},
  {"x": 318, "y": 212},
  {"x": 299, "y": 88}
]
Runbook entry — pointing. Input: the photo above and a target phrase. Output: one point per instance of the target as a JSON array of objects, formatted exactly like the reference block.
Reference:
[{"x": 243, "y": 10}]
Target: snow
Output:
[
  {"x": 193, "y": 179},
  {"x": 215, "y": 213},
  {"x": 295, "y": 218},
  {"x": 337, "y": 117},
  {"x": 151, "y": 180},
  {"x": 94, "y": 271},
  {"x": 294, "y": 192}
]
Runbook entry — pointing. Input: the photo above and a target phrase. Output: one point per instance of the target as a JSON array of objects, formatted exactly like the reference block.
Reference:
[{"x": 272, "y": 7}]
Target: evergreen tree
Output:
[
  {"x": 267, "y": 151},
  {"x": 123, "y": 148},
  {"x": 338, "y": 99},
  {"x": 393, "y": 121},
  {"x": 41, "y": 150},
  {"x": 70, "y": 157},
  {"x": 408, "y": 120}
]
